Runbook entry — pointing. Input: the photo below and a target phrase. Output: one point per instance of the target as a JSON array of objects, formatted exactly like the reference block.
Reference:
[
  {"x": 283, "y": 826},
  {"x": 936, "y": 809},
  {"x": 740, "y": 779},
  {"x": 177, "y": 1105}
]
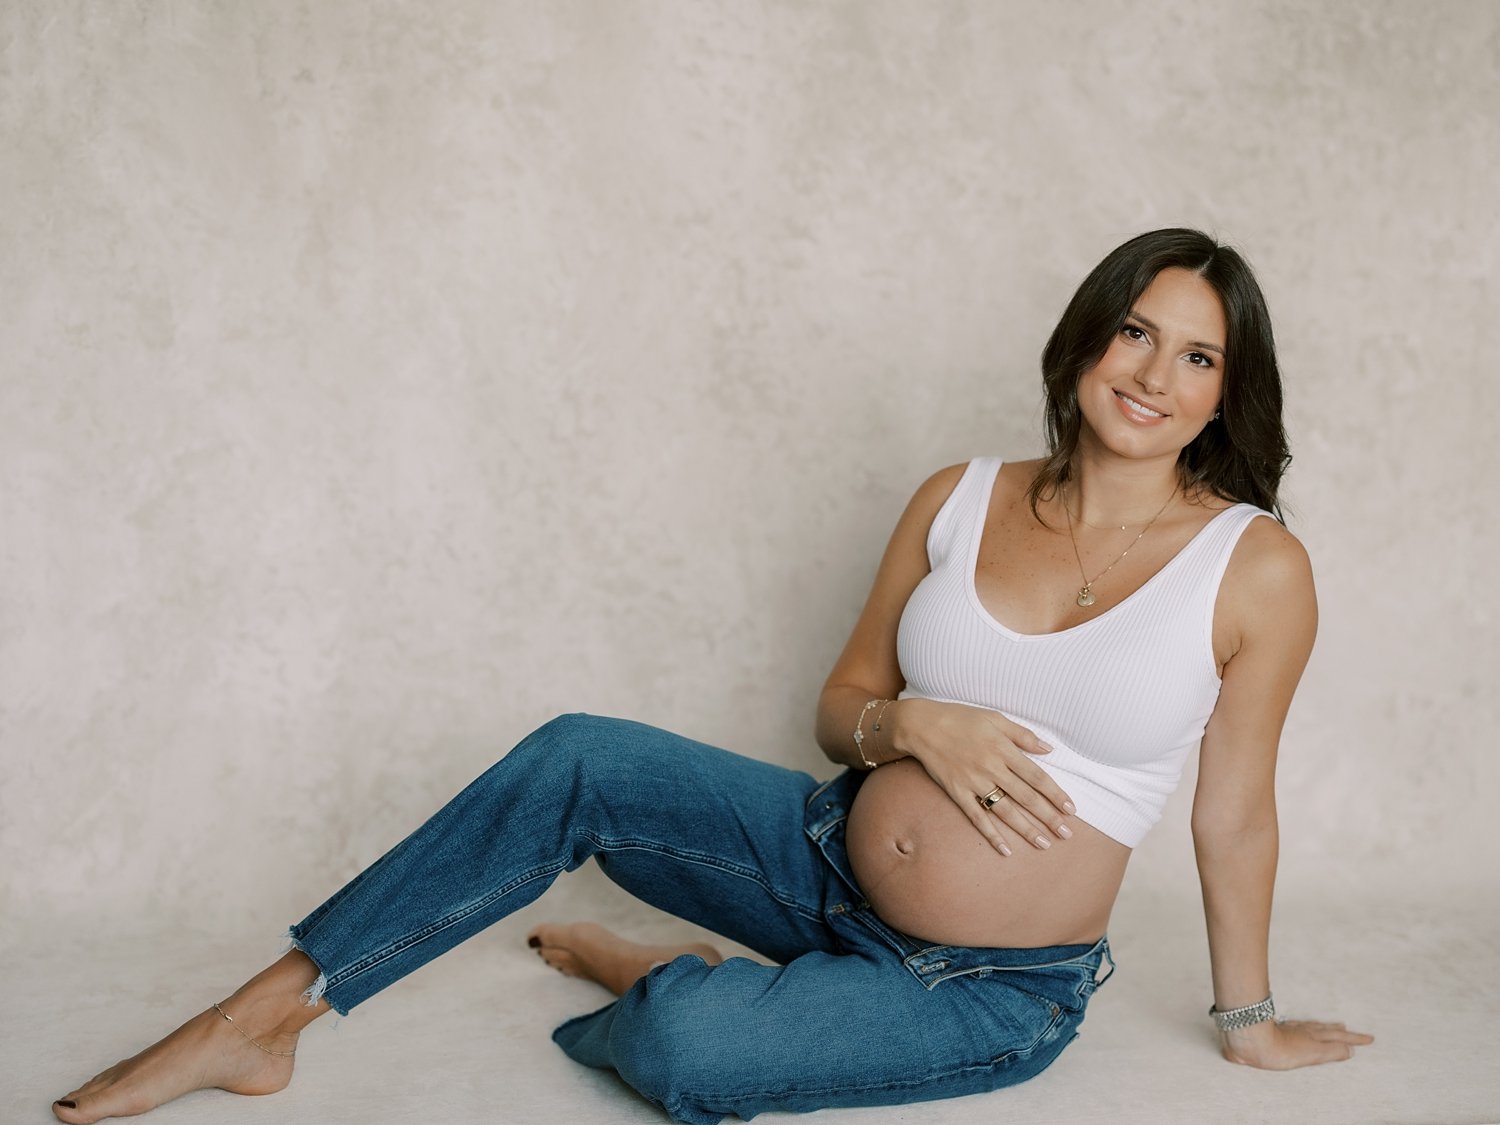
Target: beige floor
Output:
[{"x": 465, "y": 1039}]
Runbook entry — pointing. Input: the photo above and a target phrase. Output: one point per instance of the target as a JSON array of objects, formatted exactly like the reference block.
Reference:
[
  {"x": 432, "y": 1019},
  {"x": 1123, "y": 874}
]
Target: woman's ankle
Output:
[{"x": 273, "y": 1003}]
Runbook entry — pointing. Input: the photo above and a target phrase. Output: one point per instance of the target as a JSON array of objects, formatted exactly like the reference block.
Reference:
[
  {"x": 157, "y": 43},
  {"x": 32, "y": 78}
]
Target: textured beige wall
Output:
[{"x": 377, "y": 380}]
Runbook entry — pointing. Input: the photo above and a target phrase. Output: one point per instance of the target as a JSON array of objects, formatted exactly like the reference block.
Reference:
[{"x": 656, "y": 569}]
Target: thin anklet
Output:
[{"x": 262, "y": 1046}]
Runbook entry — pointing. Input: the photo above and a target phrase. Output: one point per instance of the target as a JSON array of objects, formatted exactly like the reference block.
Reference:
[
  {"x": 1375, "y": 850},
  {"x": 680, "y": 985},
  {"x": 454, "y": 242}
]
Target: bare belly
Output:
[{"x": 927, "y": 871}]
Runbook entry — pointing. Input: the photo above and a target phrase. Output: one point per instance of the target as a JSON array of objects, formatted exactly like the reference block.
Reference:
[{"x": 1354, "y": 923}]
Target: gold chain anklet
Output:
[{"x": 262, "y": 1046}]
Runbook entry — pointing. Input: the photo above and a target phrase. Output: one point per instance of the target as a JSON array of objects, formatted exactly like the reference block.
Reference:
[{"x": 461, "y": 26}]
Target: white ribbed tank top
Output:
[{"x": 1122, "y": 698}]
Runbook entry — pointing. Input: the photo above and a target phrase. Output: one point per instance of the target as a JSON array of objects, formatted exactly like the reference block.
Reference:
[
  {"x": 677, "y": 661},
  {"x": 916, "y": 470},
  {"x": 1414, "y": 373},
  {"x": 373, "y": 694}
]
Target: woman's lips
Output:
[{"x": 1138, "y": 412}]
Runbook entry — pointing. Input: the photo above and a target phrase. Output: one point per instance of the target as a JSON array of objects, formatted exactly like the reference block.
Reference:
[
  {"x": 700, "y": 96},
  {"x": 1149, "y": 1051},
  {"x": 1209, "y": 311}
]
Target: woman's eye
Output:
[
  {"x": 1199, "y": 359},
  {"x": 1131, "y": 332}
]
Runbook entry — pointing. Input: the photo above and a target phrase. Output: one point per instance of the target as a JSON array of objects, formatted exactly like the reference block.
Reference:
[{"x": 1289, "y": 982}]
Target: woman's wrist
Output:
[
  {"x": 896, "y": 730},
  {"x": 874, "y": 737},
  {"x": 860, "y": 737},
  {"x": 1244, "y": 1015}
]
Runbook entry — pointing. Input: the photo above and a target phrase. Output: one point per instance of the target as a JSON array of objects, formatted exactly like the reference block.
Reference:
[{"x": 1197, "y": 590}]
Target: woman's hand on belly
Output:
[
  {"x": 970, "y": 752},
  {"x": 925, "y": 871}
]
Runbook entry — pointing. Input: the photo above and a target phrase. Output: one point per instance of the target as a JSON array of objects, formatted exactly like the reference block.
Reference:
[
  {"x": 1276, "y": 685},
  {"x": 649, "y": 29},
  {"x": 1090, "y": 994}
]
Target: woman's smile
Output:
[{"x": 1137, "y": 411}]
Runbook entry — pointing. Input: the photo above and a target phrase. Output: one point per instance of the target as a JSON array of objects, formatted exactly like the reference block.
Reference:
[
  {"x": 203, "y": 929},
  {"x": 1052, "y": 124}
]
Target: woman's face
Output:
[{"x": 1160, "y": 381}]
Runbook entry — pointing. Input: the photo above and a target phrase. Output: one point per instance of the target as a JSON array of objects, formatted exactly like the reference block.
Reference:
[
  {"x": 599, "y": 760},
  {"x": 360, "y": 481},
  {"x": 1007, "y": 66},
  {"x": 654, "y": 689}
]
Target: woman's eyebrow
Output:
[{"x": 1201, "y": 344}]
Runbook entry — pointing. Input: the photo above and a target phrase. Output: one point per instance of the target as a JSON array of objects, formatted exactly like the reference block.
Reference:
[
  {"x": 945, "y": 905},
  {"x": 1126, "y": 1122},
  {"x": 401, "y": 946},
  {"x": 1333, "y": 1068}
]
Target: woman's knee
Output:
[
  {"x": 565, "y": 738},
  {"x": 660, "y": 1042},
  {"x": 602, "y": 749},
  {"x": 572, "y": 730},
  {"x": 571, "y": 752}
]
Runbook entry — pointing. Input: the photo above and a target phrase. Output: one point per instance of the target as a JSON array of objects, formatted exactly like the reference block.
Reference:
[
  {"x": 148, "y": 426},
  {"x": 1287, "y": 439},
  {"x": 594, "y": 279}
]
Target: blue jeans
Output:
[{"x": 854, "y": 1013}]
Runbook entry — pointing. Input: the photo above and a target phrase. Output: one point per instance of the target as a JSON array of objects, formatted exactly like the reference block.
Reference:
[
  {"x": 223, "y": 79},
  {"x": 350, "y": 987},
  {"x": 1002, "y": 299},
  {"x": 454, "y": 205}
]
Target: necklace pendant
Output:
[{"x": 1085, "y": 597}]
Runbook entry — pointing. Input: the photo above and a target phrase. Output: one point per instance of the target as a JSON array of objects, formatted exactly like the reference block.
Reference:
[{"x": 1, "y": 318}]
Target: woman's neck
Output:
[{"x": 1108, "y": 491}]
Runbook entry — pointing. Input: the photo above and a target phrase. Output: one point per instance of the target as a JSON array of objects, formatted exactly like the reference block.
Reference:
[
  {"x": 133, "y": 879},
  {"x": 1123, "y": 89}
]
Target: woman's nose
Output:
[{"x": 1154, "y": 374}]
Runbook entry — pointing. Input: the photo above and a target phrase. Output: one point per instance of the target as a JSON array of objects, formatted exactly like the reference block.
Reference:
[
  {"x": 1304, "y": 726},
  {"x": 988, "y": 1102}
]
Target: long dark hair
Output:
[{"x": 1238, "y": 456}]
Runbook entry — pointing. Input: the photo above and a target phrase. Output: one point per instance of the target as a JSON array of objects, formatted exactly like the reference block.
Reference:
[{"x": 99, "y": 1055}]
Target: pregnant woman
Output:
[{"x": 1045, "y": 643}]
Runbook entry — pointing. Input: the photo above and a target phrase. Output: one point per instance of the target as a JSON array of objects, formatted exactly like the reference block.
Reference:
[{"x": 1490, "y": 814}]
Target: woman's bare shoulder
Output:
[
  {"x": 945, "y": 480},
  {"x": 1268, "y": 584},
  {"x": 933, "y": 493},
  {"x": 1015, "y": 477},
  {"x": 1268, "y": 553},
  {"x": 1023, "y": 472}
]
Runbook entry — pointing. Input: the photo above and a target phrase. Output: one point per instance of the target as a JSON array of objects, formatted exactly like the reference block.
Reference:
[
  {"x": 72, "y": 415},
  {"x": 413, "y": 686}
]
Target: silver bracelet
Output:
[{"x": 1249, "y": 1015}]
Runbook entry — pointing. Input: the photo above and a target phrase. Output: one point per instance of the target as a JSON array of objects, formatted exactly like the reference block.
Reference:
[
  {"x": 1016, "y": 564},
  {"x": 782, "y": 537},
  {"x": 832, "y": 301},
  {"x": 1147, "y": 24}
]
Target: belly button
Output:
[{"x": 905, "y": 846}]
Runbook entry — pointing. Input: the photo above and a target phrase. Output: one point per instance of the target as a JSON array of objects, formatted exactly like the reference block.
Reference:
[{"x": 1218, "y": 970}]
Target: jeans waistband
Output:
[{"x": 827, "y": 810}]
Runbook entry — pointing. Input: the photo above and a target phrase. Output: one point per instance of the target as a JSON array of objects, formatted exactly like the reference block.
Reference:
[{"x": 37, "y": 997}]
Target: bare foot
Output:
[
  {"x": 583, "y": 949},
  {"x": 208, "y": 1051}
]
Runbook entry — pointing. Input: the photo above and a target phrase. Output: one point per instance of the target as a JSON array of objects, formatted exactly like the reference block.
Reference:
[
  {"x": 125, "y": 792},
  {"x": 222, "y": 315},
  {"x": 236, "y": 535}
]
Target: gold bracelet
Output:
[{"x": 859, "y": 734}]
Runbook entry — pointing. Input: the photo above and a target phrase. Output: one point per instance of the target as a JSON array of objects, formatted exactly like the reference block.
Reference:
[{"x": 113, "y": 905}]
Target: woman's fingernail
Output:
[
  {"x": 1064, "y": 831},
  {"x": 1068, "y": 808},
  {"x": 1002, "y": 849},
  {"x": 1043, "y": 842},
  {"x": 1044, "y": 746}
]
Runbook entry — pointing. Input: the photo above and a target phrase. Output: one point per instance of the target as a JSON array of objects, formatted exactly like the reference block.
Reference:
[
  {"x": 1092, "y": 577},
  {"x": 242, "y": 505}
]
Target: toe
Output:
[
  {"x": 553, "y": 935},
  {"x": 561, "y": 960},
  {"x": 537, "y": 937},
  {"x": 66, "y": 1108},
  {"x": 73, "y": 1109},
  {"x": 85, "y": 1108}
]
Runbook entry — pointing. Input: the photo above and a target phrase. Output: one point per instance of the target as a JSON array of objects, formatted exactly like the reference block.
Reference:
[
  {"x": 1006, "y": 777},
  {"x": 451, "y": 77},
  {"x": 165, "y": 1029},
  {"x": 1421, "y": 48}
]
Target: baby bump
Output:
[{"x": 927, "y": 871}]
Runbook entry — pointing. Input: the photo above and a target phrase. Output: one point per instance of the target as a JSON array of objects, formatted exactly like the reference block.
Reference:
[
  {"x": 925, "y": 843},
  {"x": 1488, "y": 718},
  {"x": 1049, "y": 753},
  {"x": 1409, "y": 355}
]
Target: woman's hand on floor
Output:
[
  {"x": 1288, "y": 1044},
  {"x": 969, "y": 751}
]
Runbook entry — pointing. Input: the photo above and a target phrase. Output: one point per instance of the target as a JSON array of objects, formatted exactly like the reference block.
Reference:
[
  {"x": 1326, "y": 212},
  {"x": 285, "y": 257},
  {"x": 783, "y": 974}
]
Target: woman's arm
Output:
[
  {"x": 1264, "y": 624},
  {"x": 966, "y": 750},
  {"x": 867, "y": 668}
]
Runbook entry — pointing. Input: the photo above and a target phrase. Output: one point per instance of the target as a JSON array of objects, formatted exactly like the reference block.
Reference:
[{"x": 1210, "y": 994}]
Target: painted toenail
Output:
[
  {"x": 66, "y": 1104},
  {"x": 534, "y": 942}
]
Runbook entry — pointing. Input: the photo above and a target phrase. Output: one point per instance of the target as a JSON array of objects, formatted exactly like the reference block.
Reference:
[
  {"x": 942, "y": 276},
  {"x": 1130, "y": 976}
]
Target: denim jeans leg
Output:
[
  {"x": 858, "y": 1028},
  {"x": 880, "y": 1019},
  {"x": 708, "y": 835}
]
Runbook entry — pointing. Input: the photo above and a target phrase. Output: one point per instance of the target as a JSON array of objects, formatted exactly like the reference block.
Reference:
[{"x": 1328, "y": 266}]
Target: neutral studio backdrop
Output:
[{"x": 379, "y": 380}]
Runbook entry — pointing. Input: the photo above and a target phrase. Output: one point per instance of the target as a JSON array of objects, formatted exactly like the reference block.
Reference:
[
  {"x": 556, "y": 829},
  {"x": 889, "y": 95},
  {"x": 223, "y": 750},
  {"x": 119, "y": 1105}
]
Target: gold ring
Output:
[{"x": 992, "y": 798}]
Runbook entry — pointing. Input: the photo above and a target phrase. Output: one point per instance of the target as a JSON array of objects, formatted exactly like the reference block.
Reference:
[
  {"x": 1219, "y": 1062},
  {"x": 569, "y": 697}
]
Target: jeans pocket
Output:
[{"x": 1012, "y": 1019}]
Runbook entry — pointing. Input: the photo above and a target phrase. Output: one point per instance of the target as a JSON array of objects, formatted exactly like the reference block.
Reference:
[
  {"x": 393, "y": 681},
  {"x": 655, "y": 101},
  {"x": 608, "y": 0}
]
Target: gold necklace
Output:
[
  {"x": 1103, "y": 526},
  {"x": 1086, "y": 591}
]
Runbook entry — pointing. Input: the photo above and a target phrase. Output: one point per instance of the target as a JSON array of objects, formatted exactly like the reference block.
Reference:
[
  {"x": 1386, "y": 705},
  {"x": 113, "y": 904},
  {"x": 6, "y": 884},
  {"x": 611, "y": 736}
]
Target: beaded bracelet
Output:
[{"x": 859, "y": 734}]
